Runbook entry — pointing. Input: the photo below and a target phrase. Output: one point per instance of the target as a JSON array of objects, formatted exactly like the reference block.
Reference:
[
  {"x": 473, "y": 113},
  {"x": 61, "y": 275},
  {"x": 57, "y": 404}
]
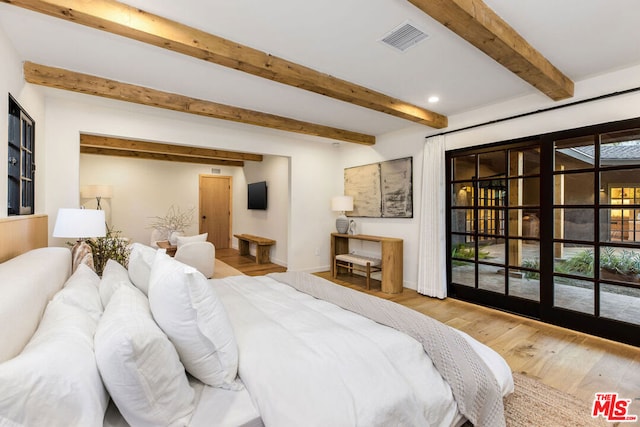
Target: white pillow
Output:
[
  {"x": 181, "y": 240},
  {"x": 189, "y": 312},
  {"x": 114, "y": 276},
  {"x": 55, "y": 380},
  {"x": 139, "y": 365},
  {"x": 140, "y": 261},
  {"x": 81, "y": 290}
]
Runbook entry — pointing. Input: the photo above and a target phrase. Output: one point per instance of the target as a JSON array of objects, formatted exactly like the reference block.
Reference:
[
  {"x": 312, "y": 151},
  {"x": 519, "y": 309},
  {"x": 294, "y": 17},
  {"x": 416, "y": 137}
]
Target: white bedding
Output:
[{"x": 363, "y": 373}]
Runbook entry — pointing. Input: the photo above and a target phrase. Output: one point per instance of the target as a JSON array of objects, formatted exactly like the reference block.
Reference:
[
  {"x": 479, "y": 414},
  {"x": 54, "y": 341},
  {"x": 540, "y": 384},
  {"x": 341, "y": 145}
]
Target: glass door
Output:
[
  {"x": 550, "y": 228},
  {"x": 495, "y": 226}
]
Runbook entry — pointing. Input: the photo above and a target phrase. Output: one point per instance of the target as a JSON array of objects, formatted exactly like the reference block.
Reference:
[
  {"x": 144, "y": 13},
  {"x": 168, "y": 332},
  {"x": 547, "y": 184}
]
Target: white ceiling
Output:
[{"x": 582, "y": 38}]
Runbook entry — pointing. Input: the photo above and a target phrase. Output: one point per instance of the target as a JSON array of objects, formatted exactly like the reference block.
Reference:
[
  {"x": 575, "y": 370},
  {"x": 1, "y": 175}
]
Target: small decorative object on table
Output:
[
  {"x": 342, "y": 204},
  {"x": 173, "y": 224},
  {"x": 81, "y": 224}
]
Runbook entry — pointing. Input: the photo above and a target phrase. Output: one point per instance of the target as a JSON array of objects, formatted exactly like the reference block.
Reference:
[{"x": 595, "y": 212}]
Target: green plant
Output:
[
  {"x": 111, "y": 246},
  {"x": 533, "y": 264},
  {"x": 467, "y": 252},
  {"x": 580, "y": 263},
  {"x": 625, "y": 262}
]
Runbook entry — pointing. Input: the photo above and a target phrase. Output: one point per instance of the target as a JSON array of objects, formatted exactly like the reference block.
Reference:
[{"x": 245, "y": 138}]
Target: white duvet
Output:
[{"x": 308, "y": 362}]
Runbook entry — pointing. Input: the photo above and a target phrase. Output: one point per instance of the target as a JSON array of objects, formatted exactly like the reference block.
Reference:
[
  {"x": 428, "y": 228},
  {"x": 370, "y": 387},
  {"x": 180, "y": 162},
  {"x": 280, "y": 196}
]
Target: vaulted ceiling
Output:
[{"x": 320, "y": 67}]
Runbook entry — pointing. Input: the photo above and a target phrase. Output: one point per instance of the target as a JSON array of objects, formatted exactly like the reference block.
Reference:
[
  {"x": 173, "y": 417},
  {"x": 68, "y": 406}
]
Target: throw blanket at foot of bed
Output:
[{"x": 474, "y": 387}]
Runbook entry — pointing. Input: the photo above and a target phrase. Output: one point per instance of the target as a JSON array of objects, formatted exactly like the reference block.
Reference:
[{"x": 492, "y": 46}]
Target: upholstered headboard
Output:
[{"x": 19, "y": 234}]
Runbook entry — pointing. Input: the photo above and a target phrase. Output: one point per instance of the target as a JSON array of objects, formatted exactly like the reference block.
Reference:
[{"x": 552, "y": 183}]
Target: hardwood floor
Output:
[
  {"x": 567, "y": 360},
  {"x": 247, "y": 264}
]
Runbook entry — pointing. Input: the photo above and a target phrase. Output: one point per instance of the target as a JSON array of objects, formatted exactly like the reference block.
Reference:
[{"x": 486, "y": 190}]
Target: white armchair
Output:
[{"x": 200, "y": 255}]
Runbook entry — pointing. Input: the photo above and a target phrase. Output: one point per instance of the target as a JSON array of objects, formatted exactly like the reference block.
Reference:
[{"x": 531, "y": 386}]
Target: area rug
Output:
[
  {"x": 536, "y": 404},
  {"x": 223, "y": 269}
]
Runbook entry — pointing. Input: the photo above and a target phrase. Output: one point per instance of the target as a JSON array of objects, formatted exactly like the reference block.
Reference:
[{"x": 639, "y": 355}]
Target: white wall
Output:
[
  {"x": 32, "y": 102},
  {"x": 311, "y": 160},
  {"x": 271, "y": 223}
]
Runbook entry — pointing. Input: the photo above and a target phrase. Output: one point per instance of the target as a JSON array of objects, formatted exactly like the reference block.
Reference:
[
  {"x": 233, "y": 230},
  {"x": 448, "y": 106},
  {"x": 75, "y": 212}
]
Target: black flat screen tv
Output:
[{"x": 257, "y": 196}]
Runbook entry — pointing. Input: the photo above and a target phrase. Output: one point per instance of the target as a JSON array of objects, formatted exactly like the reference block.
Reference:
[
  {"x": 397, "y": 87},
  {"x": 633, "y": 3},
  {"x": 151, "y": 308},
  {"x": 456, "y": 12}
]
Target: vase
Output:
[{"x": 173, "y": 236}]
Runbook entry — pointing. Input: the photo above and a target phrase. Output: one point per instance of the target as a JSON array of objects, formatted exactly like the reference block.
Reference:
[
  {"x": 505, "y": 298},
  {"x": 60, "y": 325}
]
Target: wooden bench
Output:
[
  {"x": 349, "y": 261},
  {"x": 263, "y": 246}
]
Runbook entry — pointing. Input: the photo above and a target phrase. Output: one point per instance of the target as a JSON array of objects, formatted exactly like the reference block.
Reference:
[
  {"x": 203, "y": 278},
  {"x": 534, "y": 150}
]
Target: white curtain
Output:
[{"x": 432, "y": 263}]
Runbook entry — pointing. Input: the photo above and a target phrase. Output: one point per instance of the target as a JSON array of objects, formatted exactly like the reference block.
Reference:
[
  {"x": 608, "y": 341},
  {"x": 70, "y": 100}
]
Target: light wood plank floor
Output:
[{"x": 570, "y": 361}]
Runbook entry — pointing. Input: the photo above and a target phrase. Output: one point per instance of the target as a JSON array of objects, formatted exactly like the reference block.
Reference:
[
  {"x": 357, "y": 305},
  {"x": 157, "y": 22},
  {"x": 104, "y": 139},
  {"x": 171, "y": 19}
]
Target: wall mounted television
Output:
[{"x": 257, "y": 195}]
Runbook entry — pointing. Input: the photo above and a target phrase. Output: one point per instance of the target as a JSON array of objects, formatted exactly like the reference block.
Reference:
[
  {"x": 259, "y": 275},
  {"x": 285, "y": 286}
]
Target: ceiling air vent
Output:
[{"x": 404, "y": 37}]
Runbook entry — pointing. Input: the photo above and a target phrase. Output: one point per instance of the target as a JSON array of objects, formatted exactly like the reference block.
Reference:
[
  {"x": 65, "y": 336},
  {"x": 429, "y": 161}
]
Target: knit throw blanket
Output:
[{"x": 474, "y": 387}]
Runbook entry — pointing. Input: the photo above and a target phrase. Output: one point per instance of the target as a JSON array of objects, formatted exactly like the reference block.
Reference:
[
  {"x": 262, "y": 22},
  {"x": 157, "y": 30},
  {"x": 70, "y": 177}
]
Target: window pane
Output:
[
  {"x": 573, "y": 224},
  {"x": 524, "y": 192},
  {"x": 492, "y": 250},
  {"x": 573, "y": 259},
  {"x": 620, "y": 186},
  {"x": 464, "y": 167},
  {"x": 462, "y": 194},
  {"x": 462, "y": 221},
  {"x": 620, "y": 303},
  {"x": 574, "y": 153},
  {"x": 524, "y": 284},
  {"x": 524, "y": 223},
  {"x": 524, "y": 162},
  {"x": 464, "y": 241},
  {"x": 463, "y": 273},
  {"x": 492, "y": 192},
  {"x": 573, "y": 294},
  {"x": 574, "y": 189},
  {"x": 524, "y": 253},
  {"x": 492, "y": 164},
  {"x": 620, "y": 264},
  {"x": 491, "y": 222},
  {"x": 620, "y": 148},
  {"x": 491, "y": 278},
  {"x": 620, "y": 225}
]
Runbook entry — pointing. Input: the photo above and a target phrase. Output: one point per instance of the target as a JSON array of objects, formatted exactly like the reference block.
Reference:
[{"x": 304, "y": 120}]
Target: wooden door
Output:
[{"x": 215, "y": 209}]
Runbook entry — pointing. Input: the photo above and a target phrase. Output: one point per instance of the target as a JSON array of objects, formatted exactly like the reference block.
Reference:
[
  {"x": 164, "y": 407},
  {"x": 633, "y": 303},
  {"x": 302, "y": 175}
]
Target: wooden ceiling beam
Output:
[
  {"x": 127, "y": 21},
  {"x": 478, "y": 24},
  {"x": 112, "y": 143},
  {"x": 92, "y": 85},
  {"x": 158, "y": 156}
]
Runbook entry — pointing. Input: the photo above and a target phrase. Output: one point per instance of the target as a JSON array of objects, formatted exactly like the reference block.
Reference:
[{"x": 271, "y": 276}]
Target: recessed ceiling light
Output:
[{"x": 433, "y": 99}]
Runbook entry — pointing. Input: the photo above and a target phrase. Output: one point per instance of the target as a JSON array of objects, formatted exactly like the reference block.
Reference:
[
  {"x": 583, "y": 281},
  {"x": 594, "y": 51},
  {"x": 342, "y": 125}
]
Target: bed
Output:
[{"x": 299, "y": 359}]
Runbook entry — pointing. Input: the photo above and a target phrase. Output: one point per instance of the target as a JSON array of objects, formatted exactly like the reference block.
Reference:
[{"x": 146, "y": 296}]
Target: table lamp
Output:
[
  {"x": 342, "y": 204},
  {"x": 80, "y": 224},
  {"x": 98, "y": 192}
]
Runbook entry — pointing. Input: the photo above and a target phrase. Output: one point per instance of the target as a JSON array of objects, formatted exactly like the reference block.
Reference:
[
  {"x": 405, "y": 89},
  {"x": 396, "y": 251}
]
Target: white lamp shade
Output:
[
  {"x": 342, "y": 203},
  {"x": 91, "y": 191},
  {"x": 80, "y": 223}
]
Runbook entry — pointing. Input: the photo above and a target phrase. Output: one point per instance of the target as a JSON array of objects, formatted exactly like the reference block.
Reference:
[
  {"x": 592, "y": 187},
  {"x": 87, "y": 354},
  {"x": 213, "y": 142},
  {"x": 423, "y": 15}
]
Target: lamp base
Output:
[
  {"x": 342, "y": 224},
  {"x": 81, "y": 254}
]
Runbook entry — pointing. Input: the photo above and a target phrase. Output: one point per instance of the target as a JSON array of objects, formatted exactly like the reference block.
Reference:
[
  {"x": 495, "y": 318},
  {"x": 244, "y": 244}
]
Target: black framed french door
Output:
[{"x": 549, "y": 227}]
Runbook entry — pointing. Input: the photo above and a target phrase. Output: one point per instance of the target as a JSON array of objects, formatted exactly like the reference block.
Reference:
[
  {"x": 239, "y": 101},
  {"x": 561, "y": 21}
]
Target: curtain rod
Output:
[{"x": 544, "y": 110}]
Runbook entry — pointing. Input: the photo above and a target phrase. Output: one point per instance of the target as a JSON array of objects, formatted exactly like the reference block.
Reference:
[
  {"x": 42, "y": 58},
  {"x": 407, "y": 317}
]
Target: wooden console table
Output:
[{"x": 392, "y": 258}]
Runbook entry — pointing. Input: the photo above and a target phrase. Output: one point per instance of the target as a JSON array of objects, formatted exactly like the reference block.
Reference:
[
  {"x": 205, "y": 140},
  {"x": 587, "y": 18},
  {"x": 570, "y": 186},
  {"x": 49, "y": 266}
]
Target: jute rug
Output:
[
  {"x": 223, "y": 269},
  {"x": 534, "y": 404}
]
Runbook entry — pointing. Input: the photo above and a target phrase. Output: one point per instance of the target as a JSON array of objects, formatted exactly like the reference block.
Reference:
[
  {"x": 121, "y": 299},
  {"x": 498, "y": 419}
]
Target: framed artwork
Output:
[{"x": 381, "y": 190}]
